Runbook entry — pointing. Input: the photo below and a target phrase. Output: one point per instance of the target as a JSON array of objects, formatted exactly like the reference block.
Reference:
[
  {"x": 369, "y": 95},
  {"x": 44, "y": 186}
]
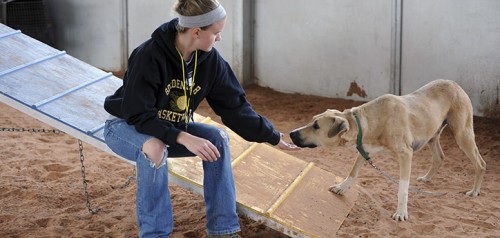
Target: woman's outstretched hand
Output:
[{"x": 283, "y": 145}]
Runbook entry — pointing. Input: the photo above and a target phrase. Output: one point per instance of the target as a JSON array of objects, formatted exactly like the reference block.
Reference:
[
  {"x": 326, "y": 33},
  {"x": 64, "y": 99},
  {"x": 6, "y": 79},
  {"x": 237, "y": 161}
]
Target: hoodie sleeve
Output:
[
  {"x": 228, "y": 100},
  {"x": 141, "y": 86}
]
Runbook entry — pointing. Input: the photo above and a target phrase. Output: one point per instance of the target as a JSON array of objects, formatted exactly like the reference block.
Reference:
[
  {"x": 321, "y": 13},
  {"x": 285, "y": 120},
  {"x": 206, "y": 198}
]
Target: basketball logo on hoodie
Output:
[
  {"x": 178, "y": 101},
  {"x": 181, "y": 103}
]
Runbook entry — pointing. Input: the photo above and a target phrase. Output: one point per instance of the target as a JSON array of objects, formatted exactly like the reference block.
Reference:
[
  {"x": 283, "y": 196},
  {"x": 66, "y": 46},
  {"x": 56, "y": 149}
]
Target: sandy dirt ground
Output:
[{"x": 41, "y": 189}]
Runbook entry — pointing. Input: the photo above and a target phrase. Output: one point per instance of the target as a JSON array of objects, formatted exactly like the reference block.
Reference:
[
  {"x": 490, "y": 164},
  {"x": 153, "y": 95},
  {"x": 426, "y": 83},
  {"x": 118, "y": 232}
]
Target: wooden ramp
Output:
[{"x": 283, "y": 192}]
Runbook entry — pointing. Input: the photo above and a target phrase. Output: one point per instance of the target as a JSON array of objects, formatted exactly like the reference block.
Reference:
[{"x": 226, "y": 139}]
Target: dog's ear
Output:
[{"x": 339, "y": 126}]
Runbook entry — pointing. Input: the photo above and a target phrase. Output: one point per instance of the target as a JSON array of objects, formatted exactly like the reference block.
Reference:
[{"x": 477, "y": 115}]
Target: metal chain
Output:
[
  {"x": 55, "y": 131},
  {"x": 82, "y": 158},
  {"x": 397, "y": 182},
  {"x": 85, "y": 192},
  {"x": 382, "y": 172},
  {"x": 129, "y": 179}
]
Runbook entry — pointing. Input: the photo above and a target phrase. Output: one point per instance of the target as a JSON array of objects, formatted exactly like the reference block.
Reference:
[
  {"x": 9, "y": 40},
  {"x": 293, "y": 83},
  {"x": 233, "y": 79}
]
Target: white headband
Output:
[{"x": 202, "y": 20}]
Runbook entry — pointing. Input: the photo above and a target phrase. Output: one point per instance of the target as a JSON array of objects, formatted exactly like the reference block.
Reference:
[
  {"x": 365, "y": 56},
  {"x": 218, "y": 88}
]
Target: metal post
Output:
[
  {"x": 3, "y": 11},
  {"x": 396, "y": 46},
  {"x": 124, "y": 35},
  {"x": 243, "y": 31}
]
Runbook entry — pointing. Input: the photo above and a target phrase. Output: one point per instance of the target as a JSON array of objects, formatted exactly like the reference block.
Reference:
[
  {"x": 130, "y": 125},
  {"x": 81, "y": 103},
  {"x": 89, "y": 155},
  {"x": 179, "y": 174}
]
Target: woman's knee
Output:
[
  {"x": 154, "y": 149},
  {"x": 219, "y": 138}
]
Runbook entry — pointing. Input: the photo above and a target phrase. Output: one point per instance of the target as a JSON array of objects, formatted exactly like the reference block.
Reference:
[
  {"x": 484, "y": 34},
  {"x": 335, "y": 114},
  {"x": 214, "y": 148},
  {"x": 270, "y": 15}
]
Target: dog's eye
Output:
[{"x": 316, "y": 126}]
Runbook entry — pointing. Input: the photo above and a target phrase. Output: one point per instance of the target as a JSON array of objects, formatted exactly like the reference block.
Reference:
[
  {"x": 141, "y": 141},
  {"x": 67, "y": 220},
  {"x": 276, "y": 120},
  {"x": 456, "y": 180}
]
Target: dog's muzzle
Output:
[{"x": 295, "y": 136}]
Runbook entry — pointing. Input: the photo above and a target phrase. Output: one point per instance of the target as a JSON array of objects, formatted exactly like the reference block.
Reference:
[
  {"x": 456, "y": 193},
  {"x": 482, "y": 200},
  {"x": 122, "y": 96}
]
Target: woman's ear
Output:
[{"x": 196, "y": 32}]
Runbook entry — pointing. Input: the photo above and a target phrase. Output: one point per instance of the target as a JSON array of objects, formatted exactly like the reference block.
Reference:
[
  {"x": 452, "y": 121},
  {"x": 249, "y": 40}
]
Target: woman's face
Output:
[{"x": 207, "y": 38}]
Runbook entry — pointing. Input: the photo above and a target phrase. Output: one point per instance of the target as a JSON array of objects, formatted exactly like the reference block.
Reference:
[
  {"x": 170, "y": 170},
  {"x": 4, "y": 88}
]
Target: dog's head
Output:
[{"x": 325, "y": 129}]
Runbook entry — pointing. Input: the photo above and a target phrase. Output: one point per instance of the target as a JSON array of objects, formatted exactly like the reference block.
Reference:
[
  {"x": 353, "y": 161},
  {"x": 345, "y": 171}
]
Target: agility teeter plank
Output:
[
  {"x": 312, "y": 208},
  {"x": 291, "y": 188},
  {"x": 190, "y": 168},
  {"x": 279, "y": 190},
  {"x": 265, "y": 173},
  {"x": 273, "y": 187},
  {"x": 32, "y": 74}
]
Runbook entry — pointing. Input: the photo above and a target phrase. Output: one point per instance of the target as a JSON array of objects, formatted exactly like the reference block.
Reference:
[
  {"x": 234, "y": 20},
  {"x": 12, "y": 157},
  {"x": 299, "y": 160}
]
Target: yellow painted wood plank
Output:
[
  {"x": 264, "y": 175},
  {"x": 290, "y": 189},
  {"x": 244, "y": 154},
  {"x": 315, "y": 210}
]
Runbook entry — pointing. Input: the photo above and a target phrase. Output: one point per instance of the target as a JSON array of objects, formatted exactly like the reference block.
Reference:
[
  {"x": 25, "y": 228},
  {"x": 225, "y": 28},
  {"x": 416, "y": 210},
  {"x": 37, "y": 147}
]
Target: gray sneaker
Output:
[{"x": 233, "y": 235}]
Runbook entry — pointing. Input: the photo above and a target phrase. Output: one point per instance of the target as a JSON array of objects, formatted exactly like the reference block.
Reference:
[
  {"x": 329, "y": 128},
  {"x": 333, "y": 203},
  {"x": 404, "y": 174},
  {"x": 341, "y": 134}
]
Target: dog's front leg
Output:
[
  {"x": 341, "y": 188},
  {"x": 404, "y": 183}
]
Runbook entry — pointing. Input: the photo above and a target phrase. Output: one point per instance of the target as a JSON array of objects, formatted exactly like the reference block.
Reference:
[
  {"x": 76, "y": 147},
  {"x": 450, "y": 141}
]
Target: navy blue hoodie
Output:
[{"x": 152, "y": 97}]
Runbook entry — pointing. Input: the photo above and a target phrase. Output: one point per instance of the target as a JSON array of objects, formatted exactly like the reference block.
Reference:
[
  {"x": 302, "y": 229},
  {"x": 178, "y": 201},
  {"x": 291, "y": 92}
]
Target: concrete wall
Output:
[
  {"x": 454, "y": 39},
  {"x": 354, "y": 49},
  {"x": 104, "y": 33},
  {"x": 329, "y": 48},
  {"x": 90, "y": 30},
  {"x": 334, "y": 48},
  {"x": 143, "y": 18}
]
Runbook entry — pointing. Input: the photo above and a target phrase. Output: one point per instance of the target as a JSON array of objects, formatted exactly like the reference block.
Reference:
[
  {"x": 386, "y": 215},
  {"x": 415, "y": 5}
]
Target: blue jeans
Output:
[{"x": 153, "y": 205}]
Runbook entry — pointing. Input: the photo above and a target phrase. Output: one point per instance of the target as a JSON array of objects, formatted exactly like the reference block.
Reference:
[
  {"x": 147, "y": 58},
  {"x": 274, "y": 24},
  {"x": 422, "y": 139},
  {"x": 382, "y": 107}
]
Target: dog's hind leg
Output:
[
  {"x": 437, "y": 156},
  {"x": 341, "y": 188},
  {"x": 461, "y": 123},
  {"x": 466, "y": 142}
]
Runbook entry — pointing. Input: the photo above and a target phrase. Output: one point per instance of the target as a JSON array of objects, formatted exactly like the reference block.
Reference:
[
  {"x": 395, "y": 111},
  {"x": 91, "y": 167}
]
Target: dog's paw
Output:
[
  {"x": 473, "y": 193},
  {"x": 423, "y": 179},
  {"x": 338, "y": 189},
  {"x": 400, "y": 216}
]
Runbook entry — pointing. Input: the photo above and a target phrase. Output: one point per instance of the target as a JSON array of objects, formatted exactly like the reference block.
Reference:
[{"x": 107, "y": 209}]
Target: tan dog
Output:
[{"x": 400, "y": 125}]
